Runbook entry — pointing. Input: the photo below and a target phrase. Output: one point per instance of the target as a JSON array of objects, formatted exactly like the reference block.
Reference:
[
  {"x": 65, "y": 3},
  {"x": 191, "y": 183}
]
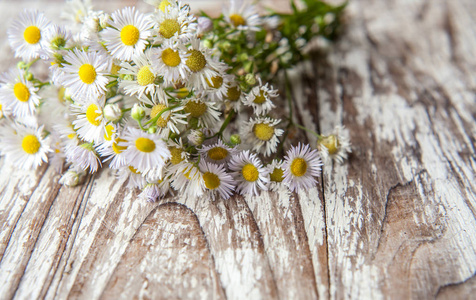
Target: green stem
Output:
[
  {"x": 308, "y": 130},
  {"x": 226, "y": 122},
  {"x": 140, "y": 124}
]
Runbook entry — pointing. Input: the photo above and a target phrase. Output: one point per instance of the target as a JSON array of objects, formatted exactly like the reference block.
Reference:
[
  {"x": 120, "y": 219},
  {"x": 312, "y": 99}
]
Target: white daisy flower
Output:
[
  {"x": 301, "y": 165},
  {"x": 262, "y": 134},
  {"x": 169, "y": 61},
  {"x": 249, "y": 173},
  {"x": 90, "y": 123},
  {"x": 93, "y": 24},
  {"x": 335, "y": 146},
  {"x": 26, "y": 148},
  {"x": 127, "y": 33},
  {"x": 136, "y": 178},
  {"x": 144, "y": 150},
  {"x": 234, "y": 96},
  {"x": 205, "y": 113},
  {"x": 177, "y": 155},
  {"x": 18, "y": 95},
  {"x": 218, "y": 153},
  {"x": 243, "y": 16},
  {"x": 175, "y": 22},
  {"x": 201, "y": 65},
  {"x": 217, "y": 180},
  {"x": 110, "y": 148},
  {"x": 169, "y": 118},
  {"x": 139, "y": 78},
  {"x": 260, "y": 98},
  {"x": 26, "y": 33},
  {"x": 162, "y": 5},
  {"x": 55, "y": 38},
  {"x": 76, "y": 10},
  {"x": 219, "y": 85},
  {"x": 276, "y": 174},
  {"x": 82, "y": 156},
  {"x": 85, "y": 74},
  {"x": 188, "y": 179}
]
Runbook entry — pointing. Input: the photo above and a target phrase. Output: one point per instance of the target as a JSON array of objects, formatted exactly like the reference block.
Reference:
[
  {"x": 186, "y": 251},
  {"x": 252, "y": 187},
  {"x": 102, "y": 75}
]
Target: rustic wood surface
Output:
[{"x": 397, "y": 221}]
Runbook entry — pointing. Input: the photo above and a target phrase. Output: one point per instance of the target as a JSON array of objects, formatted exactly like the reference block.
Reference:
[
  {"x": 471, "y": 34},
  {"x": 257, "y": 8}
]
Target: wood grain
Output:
[{"x": 397, "y": 221}]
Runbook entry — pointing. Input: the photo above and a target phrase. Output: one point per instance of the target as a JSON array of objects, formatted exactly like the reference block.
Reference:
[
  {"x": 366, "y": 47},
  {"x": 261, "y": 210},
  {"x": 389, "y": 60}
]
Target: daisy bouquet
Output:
[{"x": 169, "y": 100}]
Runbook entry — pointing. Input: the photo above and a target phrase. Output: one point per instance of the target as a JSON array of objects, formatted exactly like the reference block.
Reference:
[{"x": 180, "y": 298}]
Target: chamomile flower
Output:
[
  {"x": 234, "y": 96},
  {"x": 85, "y": 74},
  {"x": 144, "y": 150},
  {"x": 162, "y": 5},
  {"x": 127, "y": 33},
  {"x": 188, "y": 180},
  {"x": 276, "y": 174},
  {"x": 175, "y": 22},
  {"x": 18, "y": 94},
  {"x": 217, "y": 180},
  {"x": 90, "y": 123},
  {"x": 205, "y": 112},
  {"x": 82, "y": 156},
  {"x": 177, "y": 155},
  {"x": 26, "y": 148},
  {"x": 201, "y": 65},
  {"x": 26, "y": 33},
  {"x": 110, "y": 148},
  {"x": 55, "y": 38},
  {"x": 169, "y": 61},
  {"x": 301, "y": 165},
  {"x": 249, "y": 173},
  {"x": 260, "y": 98},
  {"x": 218, "y": 153},
  {"x": 139, "y": 77},
  {"x": 219, "y": 85},
  {"x": 76, "y": 10},
  {"x": 335, "y": 146},
  {"x": 242, "y": 16},
  {"x": 135, "y": 177},
  {"x": 262, "y": 133},
  {"x": 170, "y": 117}
]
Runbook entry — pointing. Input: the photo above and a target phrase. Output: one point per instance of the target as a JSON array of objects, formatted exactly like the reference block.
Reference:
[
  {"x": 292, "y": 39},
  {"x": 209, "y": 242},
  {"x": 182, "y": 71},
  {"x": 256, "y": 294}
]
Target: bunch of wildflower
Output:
[{"x": 144, "y": 95}]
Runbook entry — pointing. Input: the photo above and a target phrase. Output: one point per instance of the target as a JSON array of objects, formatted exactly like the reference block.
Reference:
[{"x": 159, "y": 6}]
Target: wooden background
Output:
[{"x": 397, "y": 221}]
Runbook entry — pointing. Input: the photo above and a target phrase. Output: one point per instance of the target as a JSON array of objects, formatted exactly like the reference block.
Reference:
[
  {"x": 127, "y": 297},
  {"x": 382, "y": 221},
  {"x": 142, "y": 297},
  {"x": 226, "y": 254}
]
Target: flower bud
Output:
[
  {"x": 207, "y": 44},
  {"x": 235, "y": 139},
  {"x": 112, "y": 112},
  {"x": 250, "y": 79},
  {"x": 196, "y": 137},
  {"x": 204, "y": 24},
  {"x": 152, "y": 129},
  {"x": 137, "y": 112},
  {"x": 70, "y": 178}
]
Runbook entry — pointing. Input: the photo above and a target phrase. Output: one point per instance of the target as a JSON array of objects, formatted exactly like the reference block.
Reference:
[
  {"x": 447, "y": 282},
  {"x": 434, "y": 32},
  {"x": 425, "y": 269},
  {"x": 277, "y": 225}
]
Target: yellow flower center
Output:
[
  {"x": 196, "y": 61},
  {"x": 277, "y": 175},
  {"x": 115, "y": 69},
  {"x": 331, "y": 142},
  {"x": 170, "y": 57},
  {"x": 129, "y": 35},
  {"x": 259, "y": 99},
  {"x": 21, "y": 91},
  {"x": 163, "y": 5},
  {"x": 237, "y": 20},
  {"x": 94, "y": 117},
  {"x": 263, "y": 131},
  {"x": 30, "y": 144},
  {"x": 118, "y": 149},
  {"x": 87, "y": 73},
  {"x": 61, "y": 92},
  {"x": 71, "y": 136},
  {"x": 298, "y": 167},
  {"x": 133, "y": 170},
  {"x": 145, "y": 145},
  {"x": 161, "y": 122},
  {"x": 176, "y": 155},
  {"x": 250, "y": 172},
  {"x": 32, "y": 34},
  {"x": 145, "y": 76},
  {"x": 217, "y": 153},
  {"x": 109, "y": 132},
  {"x": 233, "y": 93},
  {"x": 211, "y": 180},
  {"x": 196, "y": 108},
  {"x": 216, "y": 82},
  {"x": 168, "y": 28}
]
